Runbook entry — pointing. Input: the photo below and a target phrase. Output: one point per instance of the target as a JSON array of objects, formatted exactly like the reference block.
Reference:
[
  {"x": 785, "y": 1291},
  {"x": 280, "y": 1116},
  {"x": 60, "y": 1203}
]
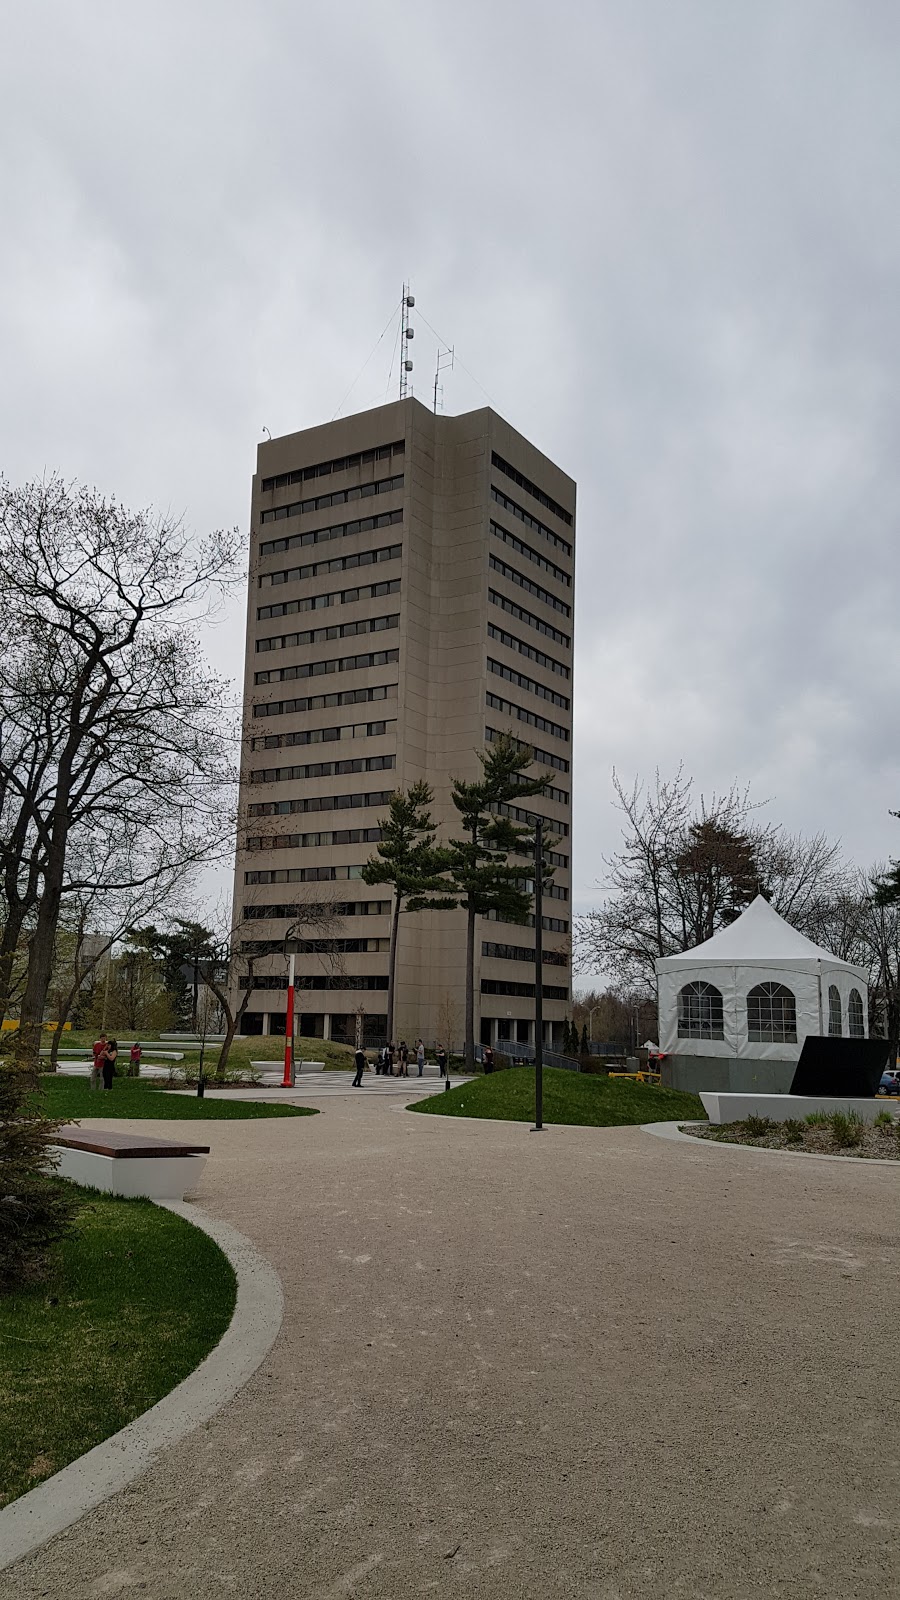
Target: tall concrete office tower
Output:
[{"x": 411, "y": 596}]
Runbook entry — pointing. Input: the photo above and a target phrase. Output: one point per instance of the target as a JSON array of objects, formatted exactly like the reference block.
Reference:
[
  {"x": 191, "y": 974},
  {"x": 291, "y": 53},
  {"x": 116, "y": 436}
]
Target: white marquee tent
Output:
[{"x": 754, "y": 991}]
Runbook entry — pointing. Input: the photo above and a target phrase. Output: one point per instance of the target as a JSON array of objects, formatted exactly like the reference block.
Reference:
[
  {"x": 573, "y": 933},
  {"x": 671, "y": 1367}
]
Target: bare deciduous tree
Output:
[
  {"x": 104, "y": 689},
  {"x": 687, "y": 867}
]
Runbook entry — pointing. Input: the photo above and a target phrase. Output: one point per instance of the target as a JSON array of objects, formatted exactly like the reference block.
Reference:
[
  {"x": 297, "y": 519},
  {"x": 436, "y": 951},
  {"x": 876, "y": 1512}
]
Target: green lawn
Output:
[
  {"x": 72, "y": 1098},
  {"x": 569, "y": 1097},
  {"x": 133, "y": 1299}
]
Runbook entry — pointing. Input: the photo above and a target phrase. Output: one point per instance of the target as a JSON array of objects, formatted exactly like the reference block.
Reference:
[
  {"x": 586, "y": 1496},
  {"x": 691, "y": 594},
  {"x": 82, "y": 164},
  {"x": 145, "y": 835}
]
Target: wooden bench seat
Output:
[{"x": 128, "y": 1163}]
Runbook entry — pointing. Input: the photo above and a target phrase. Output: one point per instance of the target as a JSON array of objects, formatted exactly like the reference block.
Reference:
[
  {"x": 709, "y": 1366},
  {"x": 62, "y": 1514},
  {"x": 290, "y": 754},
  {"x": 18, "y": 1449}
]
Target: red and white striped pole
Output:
[{"x": 287, "y": 1081}]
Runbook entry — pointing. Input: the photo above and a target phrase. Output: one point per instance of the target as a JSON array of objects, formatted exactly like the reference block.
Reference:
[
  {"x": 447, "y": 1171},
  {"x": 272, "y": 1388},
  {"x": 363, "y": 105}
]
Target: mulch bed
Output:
[{"x": 880, "y": 1143}]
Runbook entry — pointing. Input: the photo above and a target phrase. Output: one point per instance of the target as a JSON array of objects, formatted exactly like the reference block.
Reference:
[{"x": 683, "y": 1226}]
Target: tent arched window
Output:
[
  {"x": 835, "y": 1021},
  {"x": 700, "y": 1012},
  {"x": 771, "y": 1015},
  {"x": 856, "y": 1021}
]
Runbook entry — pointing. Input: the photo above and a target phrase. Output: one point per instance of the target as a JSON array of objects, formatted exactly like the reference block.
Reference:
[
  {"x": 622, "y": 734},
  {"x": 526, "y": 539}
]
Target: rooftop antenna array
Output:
[
  {"x": 445, "y": 360},
  {"x": 407, "y": 334}
]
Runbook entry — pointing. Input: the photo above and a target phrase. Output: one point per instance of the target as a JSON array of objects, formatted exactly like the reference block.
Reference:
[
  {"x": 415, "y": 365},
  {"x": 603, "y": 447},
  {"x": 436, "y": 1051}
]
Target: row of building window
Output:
[
  {"x": 551, "y": 924},
  {"x": 540, "y": 528},
  {"x": 546, "y": 628},
  {"x": 313, "y": 803},
  {"x": 324, "y": 469},
  {"x": 302, "y": 874},
  {"x": 337, "y": 564},
  {"x": 534, "y": 721},
  {"x": 529, "y": 650},
  {"x": 321, "y": 602},
  {"x": 534, "y": 556},
  {"x": 561, "y": 795},
  {"x": 491, "y": 736},
  {"x": 315, "y": 981},
  {"x": 506, "y": 571},
  {"x": 343, "y": 908},
  {"x": 334, "y": 630},
  {"x": 516, "y": 814},
  {"x": 523, "y": 990},
  {"x": 339, "y": 497},
  {"x": 321, "y": 702},
  {"x": 305, "y": 736},
  {"x": 771, "y": 1013},
  {"x": 518, "y": 952},
  {"x": 318, "y": 669},
  {"x": 522, "y": 681},
  {"x": 531, "y": 488},
  {"x": 341, "y": 530},
  {"x": 315, "y": 947},
  {"x": 313, "y": 769}
]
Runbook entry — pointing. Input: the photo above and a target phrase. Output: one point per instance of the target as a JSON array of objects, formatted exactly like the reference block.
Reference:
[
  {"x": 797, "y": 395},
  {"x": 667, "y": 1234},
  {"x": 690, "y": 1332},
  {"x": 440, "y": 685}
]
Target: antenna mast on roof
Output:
[
  {"x": 407, "y": 334},
  {"x": 444, "y": 363}
]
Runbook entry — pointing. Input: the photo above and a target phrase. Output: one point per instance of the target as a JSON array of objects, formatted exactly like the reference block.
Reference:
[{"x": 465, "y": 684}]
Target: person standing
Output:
[
  {"x": 392, "y": 1061},
  {"x": 134, "y": 1059},
  {"x": 487, "y": 1056},
  {"x": 360, "y": 1059},
  {"x": 97, "y": 1068},
  {"x": 404, "y": 1059},
  {"x": 420, "y": 1057},
  {"x": 442, "y": 1061},
  {"x": 108, "y": 1061}
]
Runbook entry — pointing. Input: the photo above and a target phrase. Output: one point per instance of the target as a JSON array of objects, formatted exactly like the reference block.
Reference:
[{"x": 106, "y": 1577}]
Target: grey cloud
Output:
[{"x": 663, "y": 238}]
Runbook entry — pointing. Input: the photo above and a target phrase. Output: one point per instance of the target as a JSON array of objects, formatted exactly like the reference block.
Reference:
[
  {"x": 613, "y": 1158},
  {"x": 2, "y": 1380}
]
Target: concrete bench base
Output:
[
  {"x": 128, "y": 1164},
  {"x": 165, "y": 1178},
  {"x": 780, "y": 1107}
]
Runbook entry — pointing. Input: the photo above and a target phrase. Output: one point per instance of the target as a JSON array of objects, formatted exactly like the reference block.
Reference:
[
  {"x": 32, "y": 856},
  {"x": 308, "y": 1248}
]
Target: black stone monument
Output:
[{"x": 840, "y": 1067}]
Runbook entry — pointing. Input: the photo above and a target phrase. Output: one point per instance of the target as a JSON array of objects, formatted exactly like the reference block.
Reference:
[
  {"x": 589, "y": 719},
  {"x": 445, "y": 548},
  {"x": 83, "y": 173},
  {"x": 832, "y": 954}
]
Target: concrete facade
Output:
[{"x": 411, "y": 593}]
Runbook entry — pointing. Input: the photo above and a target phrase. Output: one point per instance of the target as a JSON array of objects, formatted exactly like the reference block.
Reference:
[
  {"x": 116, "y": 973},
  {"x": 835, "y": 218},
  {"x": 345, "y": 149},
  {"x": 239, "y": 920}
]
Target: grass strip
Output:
[
  {"x": 131, "y": 1302},
  {"x": 572, "y": 1098},
  {"x": 73, "y": 1098}
]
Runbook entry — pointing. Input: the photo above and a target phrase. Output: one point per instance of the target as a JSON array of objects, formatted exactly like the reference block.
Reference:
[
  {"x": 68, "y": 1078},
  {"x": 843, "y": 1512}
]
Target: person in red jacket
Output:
[{"x": 97, "y": 1068}]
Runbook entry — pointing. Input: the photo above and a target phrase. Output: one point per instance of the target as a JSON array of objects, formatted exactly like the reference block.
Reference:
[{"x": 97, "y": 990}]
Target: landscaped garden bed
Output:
[{"x": 821, "y": 1133}]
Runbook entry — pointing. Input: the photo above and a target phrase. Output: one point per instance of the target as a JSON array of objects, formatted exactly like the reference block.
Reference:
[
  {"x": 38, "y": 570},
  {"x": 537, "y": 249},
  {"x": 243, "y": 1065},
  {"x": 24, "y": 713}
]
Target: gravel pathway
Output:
[{"x": 584, "y": 1363}]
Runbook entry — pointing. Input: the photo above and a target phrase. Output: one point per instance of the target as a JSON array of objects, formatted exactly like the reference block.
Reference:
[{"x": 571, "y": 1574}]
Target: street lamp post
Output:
[
  {"x": 287, "y": 1081},
  {"x": 539, "y": 976}
]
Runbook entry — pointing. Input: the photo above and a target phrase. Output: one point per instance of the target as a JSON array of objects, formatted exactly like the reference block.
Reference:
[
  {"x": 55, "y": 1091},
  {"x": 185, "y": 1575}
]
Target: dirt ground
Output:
[{"x": 581, "y": 1363}]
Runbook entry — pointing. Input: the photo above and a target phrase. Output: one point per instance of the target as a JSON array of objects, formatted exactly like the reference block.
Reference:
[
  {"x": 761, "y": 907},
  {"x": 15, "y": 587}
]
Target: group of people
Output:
[
  {"x": 393, "y": 1061},
  {"x": 106, "y": 1054}
]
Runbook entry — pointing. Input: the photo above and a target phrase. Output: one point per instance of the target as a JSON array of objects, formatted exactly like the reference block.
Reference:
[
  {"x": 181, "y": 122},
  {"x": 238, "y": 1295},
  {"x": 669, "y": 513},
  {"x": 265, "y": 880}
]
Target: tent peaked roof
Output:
[{"x": 759, "y": 934}]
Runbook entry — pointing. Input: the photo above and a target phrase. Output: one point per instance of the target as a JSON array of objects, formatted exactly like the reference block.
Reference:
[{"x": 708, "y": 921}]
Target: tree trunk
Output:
[
  {"x": 40, "y": 963},
  {"x": 230, "y": 1031},
  {"x": 392, "y": 963},
  {"x": 9, "y": 943},
  {"x": 470, "y": 988}
]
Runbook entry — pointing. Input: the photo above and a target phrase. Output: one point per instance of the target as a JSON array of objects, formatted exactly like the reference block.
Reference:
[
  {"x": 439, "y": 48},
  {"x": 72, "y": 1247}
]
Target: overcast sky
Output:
[{"x": 664, "y": 238}]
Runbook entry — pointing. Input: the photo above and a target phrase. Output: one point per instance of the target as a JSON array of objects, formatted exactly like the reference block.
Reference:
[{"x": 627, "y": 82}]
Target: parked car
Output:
[{"x": 890, "y": 1081}]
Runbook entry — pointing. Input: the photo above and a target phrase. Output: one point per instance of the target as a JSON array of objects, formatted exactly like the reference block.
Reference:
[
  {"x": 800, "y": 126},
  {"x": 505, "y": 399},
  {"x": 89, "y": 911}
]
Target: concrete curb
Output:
[
  {"x": 54, "y": 1505},
  {"x": 672, "y": 1130}
]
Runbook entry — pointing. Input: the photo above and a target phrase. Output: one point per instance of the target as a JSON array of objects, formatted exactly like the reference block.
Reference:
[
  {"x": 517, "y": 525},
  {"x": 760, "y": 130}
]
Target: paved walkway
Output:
[{"x": 578, "y": 1364}]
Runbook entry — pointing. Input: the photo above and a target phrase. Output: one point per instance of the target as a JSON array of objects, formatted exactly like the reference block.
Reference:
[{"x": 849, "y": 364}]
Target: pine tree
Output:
[
  {"x": 480, "y": 869},
  {"x": 34, "y": 1208},
  {"x": 408, "y": 859},
  {"x": 585, "y": 1047}
]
